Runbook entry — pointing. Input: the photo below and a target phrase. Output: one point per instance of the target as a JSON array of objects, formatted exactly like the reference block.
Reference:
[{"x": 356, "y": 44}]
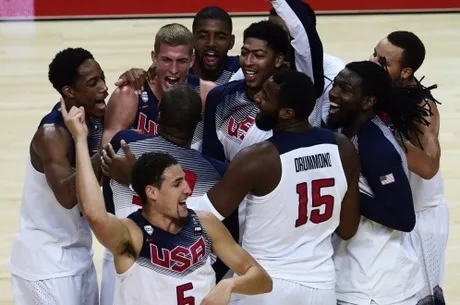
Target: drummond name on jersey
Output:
[{"x": 312, "y": 162}]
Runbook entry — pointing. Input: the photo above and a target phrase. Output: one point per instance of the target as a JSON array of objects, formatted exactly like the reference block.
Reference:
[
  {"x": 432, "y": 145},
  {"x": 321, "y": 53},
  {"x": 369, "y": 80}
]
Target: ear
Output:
[
  {"x": 232, "y": 42},
  {"x": 151, "y": 192},
  {"x": 369, "y": 102},
  {"x": 286, "y": 113},
  {"x": 192, "y": 60},
  {"x": 406, "y": 73},
  {"x": 153, "y": 55},
  {"x": 279, "y": 61},
  {"x": 68, "y": 92}
]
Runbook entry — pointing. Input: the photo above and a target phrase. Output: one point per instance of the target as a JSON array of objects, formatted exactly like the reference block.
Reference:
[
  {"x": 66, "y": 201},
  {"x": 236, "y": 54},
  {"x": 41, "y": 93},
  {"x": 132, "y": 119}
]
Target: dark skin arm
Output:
[
  {"x": 118, "y": 167},
  {"x": 350, "y": 213},
  {"x": 255, "y": 169},
  {"x": 423, "y": 158},
  {"x": 51, "y": 151},
  {"x": 120, "y": 112}
]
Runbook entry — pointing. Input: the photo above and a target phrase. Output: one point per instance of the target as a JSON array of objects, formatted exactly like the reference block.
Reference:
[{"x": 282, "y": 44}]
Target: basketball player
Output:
[
  {"x": 378, "y": 265},
  {"x": 302, "y": 186},
  {"x": 403, "y": 53},
  {"x": 173, "y": 57},
  {"x": 299, "y": 21},
  {"x": 179, "y": 114},
  {"x": 230, "y": 109},
  {"x": 182, "y": 273},
  {"x": 52, "y": 259}
]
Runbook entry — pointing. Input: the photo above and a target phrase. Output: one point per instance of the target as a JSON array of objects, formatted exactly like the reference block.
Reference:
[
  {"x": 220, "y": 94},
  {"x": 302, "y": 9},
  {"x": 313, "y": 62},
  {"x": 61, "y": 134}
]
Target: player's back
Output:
[
  {"x": 147, "y": 112},
  {"x": 59, "y": 238},
  {"x": 202, "y": 173},
  {"x": 170, "y": 268},
  {"x": 289, "y": 230}
]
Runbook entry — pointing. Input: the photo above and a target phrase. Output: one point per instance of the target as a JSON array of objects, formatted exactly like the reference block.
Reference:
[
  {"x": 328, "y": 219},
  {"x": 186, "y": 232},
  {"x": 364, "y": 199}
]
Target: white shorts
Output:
[
  {"x": 410, "y": 301},
  {"x": 429, "y": 240},
  {"x": 288, "y": 293},
  {"x": 71, "y": 290},
  {"x": 109, "y": 278}
]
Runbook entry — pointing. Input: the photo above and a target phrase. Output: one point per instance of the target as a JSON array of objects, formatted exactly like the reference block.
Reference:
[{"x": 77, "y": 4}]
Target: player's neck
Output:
[
  {"x": 354, "y": 128},
  {"x": 208, "y": 75},
  {"x": 171, "y": 225},
  {"x": 292, "y": 126},
  {"x": 179, "y": 140},
  {"x": 409, "y": 82}
]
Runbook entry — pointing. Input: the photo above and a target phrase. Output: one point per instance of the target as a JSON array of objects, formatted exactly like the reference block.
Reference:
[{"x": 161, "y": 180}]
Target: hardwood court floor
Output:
[{"x": 27, "y": 48}]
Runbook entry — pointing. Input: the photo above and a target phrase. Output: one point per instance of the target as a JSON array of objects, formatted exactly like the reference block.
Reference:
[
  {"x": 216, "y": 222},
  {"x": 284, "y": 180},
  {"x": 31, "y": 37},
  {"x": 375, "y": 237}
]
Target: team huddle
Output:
[{"x": 279, "y": 176}]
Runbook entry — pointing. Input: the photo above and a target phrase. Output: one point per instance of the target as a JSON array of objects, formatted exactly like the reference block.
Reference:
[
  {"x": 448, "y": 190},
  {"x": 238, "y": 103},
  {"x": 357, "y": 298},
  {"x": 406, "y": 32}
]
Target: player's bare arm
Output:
[
  {"x": 113, "y": 233},
  {"x": 51, "y": 151},
  {"x": 252, "y": 278},
  {"x": 120, "y": 112},
  {"x": 423, "y": 158},
  {"x": 350, "y": 213},
  {"x": 205, "y": 87},
  {"x": 136, "y": 78},
  {"x": 252, "y": 170}
]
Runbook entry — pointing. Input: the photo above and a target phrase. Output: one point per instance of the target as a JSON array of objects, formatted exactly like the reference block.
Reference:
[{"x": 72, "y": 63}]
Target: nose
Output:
[
  {"x": 334, "y": 92},
  {"x": 247, "y": 60},
  {"x": 187, "y": 189},
  {"x": 173, "y": 69},
  {"x": 374, "y": 59},
  {"x": 212, "y": 41},
  {"x": 104, "y": 88}
]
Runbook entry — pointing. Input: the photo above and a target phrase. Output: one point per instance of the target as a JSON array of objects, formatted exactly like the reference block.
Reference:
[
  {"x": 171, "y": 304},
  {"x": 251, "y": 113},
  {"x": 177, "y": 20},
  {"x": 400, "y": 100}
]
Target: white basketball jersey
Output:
[
  {"x": 378, "y": 263},
  {"x": 426, "y": 193},
  {"x": 171, "y": 269},
  {"x": 289, "y": 230},
  {"x": 52, "y": 241}
]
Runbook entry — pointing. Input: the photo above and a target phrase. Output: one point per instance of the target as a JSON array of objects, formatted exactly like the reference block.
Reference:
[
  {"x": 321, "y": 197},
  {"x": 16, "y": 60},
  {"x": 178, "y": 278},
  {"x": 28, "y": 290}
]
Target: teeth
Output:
[
  {"x": 172, "y": 78},
  {"x": 211, "y": 53},
  {"x": 332, "y": 104},
  {"x": 250, "y": 73}
]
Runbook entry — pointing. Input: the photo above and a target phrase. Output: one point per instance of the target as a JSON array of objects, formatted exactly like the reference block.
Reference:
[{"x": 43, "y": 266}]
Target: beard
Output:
[{"x": 267, "y": 121}]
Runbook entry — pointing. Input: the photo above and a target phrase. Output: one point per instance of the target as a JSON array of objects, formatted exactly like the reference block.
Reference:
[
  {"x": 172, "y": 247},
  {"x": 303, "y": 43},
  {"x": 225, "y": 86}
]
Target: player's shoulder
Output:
[
  {"x": 288, "y": 141},
  {"x": 376, "y": 141},
  {"x": 259, "y": 153},
  {"x": 52, "y": 127},
  {"x": 228, "y": 88},
  {"x": 219, "y": 166},
  {"x": 232, "y": 63}
]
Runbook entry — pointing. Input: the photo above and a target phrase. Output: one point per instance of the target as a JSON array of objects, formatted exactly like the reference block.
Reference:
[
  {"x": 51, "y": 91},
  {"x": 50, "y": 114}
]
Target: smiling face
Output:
[
  {"x": 393, "y": 59},
  {"x": 346, "y": 98},
  {"x": 173, "y": 64},
  {"x": 89, "y": 89},
  {"x": 169, "y": 198},
  {"x": 258, "y": 62},
  {"x": 213, "y": 40},
  {"x": 268, "y": 108}
]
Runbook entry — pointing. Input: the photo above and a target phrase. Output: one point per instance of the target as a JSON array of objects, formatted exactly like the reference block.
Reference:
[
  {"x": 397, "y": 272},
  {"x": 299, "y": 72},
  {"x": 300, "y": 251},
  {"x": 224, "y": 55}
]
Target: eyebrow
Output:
[
  {"x": 180, "y": 179},
  {"x": 95, "y": 78},
  {"x": 256, "y": 50}
]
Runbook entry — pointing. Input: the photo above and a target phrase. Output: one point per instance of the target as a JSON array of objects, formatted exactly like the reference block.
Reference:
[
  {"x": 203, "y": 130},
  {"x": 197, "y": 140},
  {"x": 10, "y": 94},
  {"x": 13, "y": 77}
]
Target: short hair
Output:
[
  {"x": 180, "y": 109},
  {"x": 174, "y": 34},
  {"x": 272, "y": 33},
  {"x": 212, "y": 13},
  {"x": 413, "y": 48},
  {"x": 296, "y": 91},
  {"x": 401, "y": 104},
  {"x": 63, "y": 70},
  {"x": 149, "y": 170},
  {"x": 305, "y": 9}
]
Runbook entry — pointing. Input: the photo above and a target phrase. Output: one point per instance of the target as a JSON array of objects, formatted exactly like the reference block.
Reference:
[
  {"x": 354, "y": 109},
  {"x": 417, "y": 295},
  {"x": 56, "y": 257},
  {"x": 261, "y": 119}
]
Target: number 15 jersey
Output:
[{"x": 289, "y": 230}]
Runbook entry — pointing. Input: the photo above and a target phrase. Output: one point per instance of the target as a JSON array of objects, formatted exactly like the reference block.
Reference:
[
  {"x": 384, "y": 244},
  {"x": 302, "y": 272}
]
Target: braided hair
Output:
[{"x": 406, "y": 107}]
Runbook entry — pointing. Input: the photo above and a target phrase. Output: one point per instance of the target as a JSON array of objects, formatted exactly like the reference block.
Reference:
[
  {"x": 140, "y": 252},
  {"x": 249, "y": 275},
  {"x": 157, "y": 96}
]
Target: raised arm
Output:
[
  {"x": 306, "y": 41},
  {"x": 120, "y": 112},
  {"x": 350, "y": 213},
  {"x": 111, "y": 231},
  {"x": 252, "y": 278}
]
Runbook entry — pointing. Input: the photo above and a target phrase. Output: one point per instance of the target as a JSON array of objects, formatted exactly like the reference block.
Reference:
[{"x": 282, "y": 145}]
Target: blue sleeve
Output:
[
  {"x": 211, "y": 144},
  {"x": 391, "y": 204},
  {"x": 129, "y": 135},
  {"x": 306, "y": 17},
  {"x": 220, "y": 166},
  {"x": 108, "y": 195}
]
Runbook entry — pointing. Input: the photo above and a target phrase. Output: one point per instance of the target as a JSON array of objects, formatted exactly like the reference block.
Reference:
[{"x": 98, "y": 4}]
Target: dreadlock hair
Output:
[{"x": 403, "y": 105}]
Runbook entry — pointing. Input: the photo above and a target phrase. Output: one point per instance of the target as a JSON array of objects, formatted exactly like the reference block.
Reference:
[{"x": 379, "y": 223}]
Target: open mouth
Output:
[
  {"x": 100, "y": 104},
  {"x": 249, "y": 76},
  {"x": 171, "y": 81},
  {"x": 183, "y": 204},
  {"x": 211, "y": 58},
  {"x": 334, "y": 107}
]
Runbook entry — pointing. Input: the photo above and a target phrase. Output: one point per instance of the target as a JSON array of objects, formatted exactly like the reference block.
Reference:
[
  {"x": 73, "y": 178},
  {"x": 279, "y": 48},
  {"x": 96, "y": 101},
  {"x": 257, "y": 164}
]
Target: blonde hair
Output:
[{"x": 174, "y": 34}]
